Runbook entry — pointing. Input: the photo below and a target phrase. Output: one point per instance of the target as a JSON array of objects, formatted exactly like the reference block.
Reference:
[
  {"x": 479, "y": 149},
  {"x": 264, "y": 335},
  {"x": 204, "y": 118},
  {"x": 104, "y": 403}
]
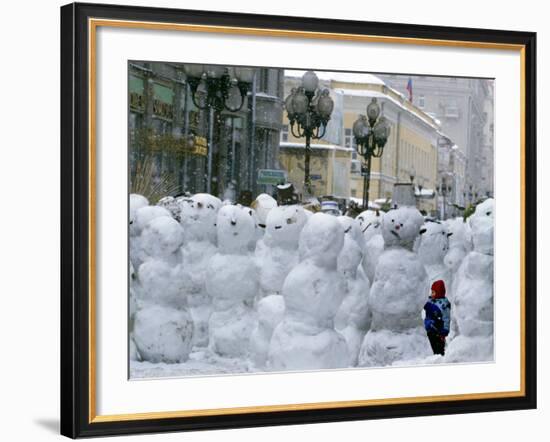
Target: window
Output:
[
  {"x": 349, "y": 139},
  {"x": 421, "y": 101},
  {"x": 284, "y": 133}
]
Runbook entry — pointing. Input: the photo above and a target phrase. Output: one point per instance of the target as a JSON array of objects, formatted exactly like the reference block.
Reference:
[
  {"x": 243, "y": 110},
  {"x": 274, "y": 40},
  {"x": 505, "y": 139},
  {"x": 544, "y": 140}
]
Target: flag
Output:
[{"x": 410, "y": 89}]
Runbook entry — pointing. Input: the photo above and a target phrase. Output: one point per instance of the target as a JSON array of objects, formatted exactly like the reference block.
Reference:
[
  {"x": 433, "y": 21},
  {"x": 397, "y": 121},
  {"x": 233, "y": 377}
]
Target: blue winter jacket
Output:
[{"x": 438, "y": 316}]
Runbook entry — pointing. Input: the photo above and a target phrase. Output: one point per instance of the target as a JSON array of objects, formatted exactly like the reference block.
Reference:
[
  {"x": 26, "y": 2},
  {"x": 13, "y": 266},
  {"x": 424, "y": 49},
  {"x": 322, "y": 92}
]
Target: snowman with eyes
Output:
[
  {"x": 276, "y": 255},
  {"x": 198, "y": 217},
  {"x": 162, "y": 326},
  {"x": 232, "y": 283},
  {"x": 370, "y": 224},
  {"x": 433, "y": 246},
  {"x": 397, "y": 295},
  {"x": 313, "y": 291},
  {"x": 473, "y": 292}
]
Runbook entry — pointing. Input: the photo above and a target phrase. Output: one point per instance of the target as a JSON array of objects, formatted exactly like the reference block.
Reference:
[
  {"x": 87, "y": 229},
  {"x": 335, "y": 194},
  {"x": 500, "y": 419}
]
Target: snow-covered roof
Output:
[
  {"x": 344, "y": 77},
  {"x": 369, "y": 93},
  {"x": 284, "y": 144},
  {"x": 424, "y": 193},
  {"x": 372, "y": 205}
]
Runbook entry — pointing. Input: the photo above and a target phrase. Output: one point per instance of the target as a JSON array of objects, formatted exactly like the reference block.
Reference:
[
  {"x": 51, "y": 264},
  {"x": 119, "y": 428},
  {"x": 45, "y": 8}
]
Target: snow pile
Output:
[
  {"x": 397, "y": 295},
  {"x": 313, "y": 291}
]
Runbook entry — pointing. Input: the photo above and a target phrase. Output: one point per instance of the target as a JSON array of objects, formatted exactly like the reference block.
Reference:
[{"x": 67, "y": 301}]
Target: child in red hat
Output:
[{"x": 438, "y": 317}]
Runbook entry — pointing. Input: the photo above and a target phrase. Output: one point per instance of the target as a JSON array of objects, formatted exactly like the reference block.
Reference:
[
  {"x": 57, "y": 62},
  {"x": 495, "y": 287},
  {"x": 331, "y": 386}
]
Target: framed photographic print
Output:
[{"x": 273, "y": 220}]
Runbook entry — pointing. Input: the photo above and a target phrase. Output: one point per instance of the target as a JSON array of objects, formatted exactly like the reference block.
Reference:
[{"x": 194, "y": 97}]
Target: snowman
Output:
[
  {"x": 397, "y": 295},
  {"x": 313, "y": 291},
  {"x": 198, "y": 218},
  {"x": 138, "y": 220},
  {"x": 270, "y": 311},
  {"x": 163, "y": 328},
  {"x": 370, "y": 223},
  {"x": 232, "y": 283},
  {"x": 277, "y": 253},
  {"x": 433, "y": 246},
  {"x": 262, "y": 205},
  {"x": 473, "y": 292},
  {"x": 352, "y": 319},
  {"x": 460, "y": 244}
]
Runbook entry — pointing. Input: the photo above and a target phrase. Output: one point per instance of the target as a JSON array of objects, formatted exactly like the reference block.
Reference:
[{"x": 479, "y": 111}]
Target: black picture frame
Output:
[{"x": 75, "y": 221}]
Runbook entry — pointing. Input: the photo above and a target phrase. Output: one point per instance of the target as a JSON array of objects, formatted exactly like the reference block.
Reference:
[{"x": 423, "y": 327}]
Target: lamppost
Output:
[
  {"x": 308, "y": 109},
  {"x": 371, "y": 134},
  {"x": 217, "y": 88}
]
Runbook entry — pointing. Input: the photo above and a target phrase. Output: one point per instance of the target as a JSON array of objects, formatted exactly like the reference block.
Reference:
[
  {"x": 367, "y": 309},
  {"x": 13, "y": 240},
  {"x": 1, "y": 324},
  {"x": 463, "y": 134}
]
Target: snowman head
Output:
[
  {"x": 321, "y": 240},
  {"x": 370, "y": 223},
  {"x": 263, "y": 205},
  {"x": 401, "y": 226},
  {"x": 461, "y": 233},
  {"x": 161, "y": 237},
  {"x": 352, "y": 252},
  {"x": 235, "y": 227},
  {"x": 136, "y": 203},
  {"x": 198, "y": 217},
  {"x": 482, "y": 223},
  {"x": 284, "y": 224},
  {"x": 434, "y": 242},
  {"x": 143, "y": 216},
  {"x": 172, "y": 205}
]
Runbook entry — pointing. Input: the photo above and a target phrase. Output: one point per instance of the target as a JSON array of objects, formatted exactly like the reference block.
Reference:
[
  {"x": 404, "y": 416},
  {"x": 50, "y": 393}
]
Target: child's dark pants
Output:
[{"x": 438, "y": 344}]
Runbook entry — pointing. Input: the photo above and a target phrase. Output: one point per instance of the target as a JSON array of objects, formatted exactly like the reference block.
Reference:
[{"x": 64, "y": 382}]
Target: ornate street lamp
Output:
[
  {"x": 218, "y": 87},
  {"x": 309, "y": 109},
  {"x": 371, "y": 134}
]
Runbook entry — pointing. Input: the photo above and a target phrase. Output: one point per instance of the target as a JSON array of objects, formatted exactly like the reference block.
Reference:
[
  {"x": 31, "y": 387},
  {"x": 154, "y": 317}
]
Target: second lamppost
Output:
[
  {"x": 309, "y": 110},
  {"x": 371, "y": 133}
]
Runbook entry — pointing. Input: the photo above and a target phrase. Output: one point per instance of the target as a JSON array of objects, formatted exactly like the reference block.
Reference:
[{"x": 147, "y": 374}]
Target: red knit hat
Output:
[{"x": 439, "y": 288}]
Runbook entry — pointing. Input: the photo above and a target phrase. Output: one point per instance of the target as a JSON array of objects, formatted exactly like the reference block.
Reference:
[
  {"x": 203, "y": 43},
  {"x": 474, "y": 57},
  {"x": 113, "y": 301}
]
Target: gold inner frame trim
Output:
[{"x": 93, "y": 24}]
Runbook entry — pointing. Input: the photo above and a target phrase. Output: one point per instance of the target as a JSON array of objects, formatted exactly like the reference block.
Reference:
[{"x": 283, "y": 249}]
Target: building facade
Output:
[
  {"x": 196, "y": 150},
  {"x": 410, "y": 153},
  {"x": 464, "y": 109}
]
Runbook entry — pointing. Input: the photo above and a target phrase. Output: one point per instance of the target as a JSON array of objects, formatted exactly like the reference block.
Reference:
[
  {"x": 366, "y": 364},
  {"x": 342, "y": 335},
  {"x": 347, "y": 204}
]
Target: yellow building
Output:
[{"x": 411, "y": 150}]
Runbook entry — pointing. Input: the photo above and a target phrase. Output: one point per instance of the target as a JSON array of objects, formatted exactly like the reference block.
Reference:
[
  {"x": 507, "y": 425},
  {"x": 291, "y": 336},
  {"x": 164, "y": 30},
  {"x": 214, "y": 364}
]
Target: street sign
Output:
[{"x": 271, "y": 176}]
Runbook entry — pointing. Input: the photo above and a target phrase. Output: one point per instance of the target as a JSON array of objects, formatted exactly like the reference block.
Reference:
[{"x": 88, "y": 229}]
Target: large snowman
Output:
[
  {"x": 433, "y": 246},
  {"x": 473, "y": 292},
  {"x": 397, "y": 295},
  {"x": 163, "y": 328},
  {"x": 232, "y": 283},
  {"x": 313, "y": 291},
  {"x": 198, "y": 217},
  {"x": 370, "y": 223},
  {"x": 277, "y": 253},
  {"x": 353, "y": 319}
]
